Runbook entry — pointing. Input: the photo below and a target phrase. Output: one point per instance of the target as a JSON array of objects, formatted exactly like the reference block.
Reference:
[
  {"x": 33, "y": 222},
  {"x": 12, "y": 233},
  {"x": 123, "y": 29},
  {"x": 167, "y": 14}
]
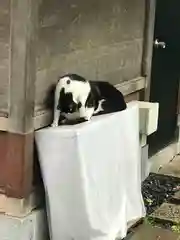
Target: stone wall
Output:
[
  {"x": 99, "y": 39},
  {"x": 4, "y": 54}
]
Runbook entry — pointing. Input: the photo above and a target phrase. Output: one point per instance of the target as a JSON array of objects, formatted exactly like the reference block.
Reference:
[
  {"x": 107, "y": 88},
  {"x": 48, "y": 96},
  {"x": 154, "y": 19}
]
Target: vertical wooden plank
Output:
[
  {"x": 148, "y": 45},
  {"x": 178, "y": 113},
  {"x": 22, "y": 69},
  {"x": 178, "y": 103},
  {"x": 4, "y": 56},
  {"x": 18, "y": 156}
]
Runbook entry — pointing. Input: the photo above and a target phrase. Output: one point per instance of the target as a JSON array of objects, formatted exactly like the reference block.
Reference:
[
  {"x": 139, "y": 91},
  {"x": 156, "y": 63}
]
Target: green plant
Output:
[
  {"x": 149, "y": 201},
  {"x": 149, "y": 220},
  {"x": 176, "y": 228}
]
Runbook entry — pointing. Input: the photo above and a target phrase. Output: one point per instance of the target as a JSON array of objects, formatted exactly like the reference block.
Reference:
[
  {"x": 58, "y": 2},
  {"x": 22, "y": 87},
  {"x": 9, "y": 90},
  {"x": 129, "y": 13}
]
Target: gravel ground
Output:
[{"x": 157, "y": 189}]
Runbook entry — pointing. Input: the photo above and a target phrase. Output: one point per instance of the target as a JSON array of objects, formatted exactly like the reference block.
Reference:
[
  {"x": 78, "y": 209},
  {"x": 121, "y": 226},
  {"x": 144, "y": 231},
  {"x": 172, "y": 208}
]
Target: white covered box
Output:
[{"x": 92, "y": 176}]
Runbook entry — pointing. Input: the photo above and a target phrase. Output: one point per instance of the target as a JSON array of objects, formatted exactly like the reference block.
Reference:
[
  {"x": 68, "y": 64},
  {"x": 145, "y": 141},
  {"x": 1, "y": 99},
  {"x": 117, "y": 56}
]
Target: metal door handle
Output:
[{"x": 158, "y": 44}]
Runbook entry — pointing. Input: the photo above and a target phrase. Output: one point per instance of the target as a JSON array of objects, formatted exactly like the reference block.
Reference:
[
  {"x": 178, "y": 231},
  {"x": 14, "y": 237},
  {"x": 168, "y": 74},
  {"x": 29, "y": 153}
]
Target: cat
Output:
[{"x": 77, "y": 99}]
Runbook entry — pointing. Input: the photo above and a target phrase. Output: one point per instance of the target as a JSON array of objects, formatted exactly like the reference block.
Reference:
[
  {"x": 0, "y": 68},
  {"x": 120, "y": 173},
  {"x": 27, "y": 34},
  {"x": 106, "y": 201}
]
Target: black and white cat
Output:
[{"x": 77, "y": 99}]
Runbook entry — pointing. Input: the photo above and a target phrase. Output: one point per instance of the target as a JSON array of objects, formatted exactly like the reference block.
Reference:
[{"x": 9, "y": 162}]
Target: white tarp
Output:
[{"x": 92, "y": 176}]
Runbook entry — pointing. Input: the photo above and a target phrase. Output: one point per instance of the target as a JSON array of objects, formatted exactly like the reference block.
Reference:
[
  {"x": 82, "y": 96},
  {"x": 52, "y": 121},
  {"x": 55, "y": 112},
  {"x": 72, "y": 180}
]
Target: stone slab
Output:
[
  {"x": 160, "y": 161},
  {"x": 167, "y": 212},
  {"x": 147, "y": 232},
  {"x": 172, "y": 168},
  {"x": 32, "y": 227},
  {"x": 177, "y": 196}
]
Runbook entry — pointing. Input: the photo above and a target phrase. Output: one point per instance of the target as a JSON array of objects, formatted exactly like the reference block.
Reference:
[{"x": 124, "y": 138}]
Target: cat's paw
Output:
[
  {"x": 87, "y": 118},
  {"x": 54, "y": 124}
]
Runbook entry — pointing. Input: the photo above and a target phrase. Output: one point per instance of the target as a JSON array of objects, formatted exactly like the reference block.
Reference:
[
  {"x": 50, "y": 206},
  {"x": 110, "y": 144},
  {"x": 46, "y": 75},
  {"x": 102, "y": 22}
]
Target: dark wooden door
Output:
[{"x": 165, "y": 71}]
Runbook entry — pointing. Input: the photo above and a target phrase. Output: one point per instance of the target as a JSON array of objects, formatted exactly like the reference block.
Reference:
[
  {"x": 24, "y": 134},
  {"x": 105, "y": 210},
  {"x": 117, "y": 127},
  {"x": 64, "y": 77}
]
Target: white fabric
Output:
[{"x": 91, "y": 173}]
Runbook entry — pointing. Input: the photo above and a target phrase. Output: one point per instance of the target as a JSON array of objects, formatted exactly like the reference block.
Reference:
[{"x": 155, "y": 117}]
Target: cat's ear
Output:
[{"x": 58, "y": 78}]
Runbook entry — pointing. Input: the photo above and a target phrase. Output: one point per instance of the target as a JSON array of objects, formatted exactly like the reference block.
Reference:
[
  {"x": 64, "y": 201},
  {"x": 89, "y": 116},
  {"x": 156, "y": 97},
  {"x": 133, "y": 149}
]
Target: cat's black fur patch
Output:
[
  {"x": 114, "y": 100},
  {"x": 66, "y": 103},
  {"x": 92, "y": 100},
  {"x": 74, "y": 76},
  {"x": 71, "y": 122},
  {"x": 49, "y": 99}
]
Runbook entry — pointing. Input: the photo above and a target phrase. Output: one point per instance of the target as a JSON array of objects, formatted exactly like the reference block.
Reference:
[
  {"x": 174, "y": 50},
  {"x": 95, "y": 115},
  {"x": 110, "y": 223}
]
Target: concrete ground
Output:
[
  {"x": 167, "y": 212},
  {"x": 172, "y": 168}
]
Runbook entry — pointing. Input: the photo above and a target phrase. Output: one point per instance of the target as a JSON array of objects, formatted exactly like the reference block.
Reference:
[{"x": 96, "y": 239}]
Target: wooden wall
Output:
[
  {"x": 99, "y": 39},
  {"x": 4, "y": 55}
]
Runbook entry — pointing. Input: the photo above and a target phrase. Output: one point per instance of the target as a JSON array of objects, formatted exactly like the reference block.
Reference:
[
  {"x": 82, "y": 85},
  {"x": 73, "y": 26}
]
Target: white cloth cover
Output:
[{"x": 92, "y": 176}]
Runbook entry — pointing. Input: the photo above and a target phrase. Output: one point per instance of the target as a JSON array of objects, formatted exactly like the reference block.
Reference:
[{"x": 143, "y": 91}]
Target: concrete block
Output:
[
  {"x": 148, "y": 117},
  {"x": 19, "y": 207},
  {"x": 32, "y": 227},
  {"x": 145, "y": 163}
]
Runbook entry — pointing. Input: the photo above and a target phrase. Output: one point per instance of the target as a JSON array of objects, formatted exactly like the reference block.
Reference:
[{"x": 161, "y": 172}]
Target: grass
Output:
[
  {"x": 150, "y": 221},
  {"x": 176, "y": 228}
]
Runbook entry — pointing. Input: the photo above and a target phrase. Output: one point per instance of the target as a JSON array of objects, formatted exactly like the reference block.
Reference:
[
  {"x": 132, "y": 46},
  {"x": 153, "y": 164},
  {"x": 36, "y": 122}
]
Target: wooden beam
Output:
[
  {"x": 132, "y": 97},
  {"x": 22, "y": 65},
  {"x": 148, "y": 45},
  {"x": 131, "y": 86}
]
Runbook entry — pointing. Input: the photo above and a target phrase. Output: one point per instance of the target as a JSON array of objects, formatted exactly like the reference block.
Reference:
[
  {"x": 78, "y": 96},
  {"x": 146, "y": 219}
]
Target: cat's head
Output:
[{"x": 66, "y": 103}]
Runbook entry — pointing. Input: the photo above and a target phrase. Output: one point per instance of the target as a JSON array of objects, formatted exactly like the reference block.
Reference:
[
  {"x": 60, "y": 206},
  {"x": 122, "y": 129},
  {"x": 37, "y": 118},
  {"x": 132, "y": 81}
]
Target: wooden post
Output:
[
  {"x": 23, "y": 69},
  {"x": 18, "y": 169},
  {"x": 148, "y": 45}
]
